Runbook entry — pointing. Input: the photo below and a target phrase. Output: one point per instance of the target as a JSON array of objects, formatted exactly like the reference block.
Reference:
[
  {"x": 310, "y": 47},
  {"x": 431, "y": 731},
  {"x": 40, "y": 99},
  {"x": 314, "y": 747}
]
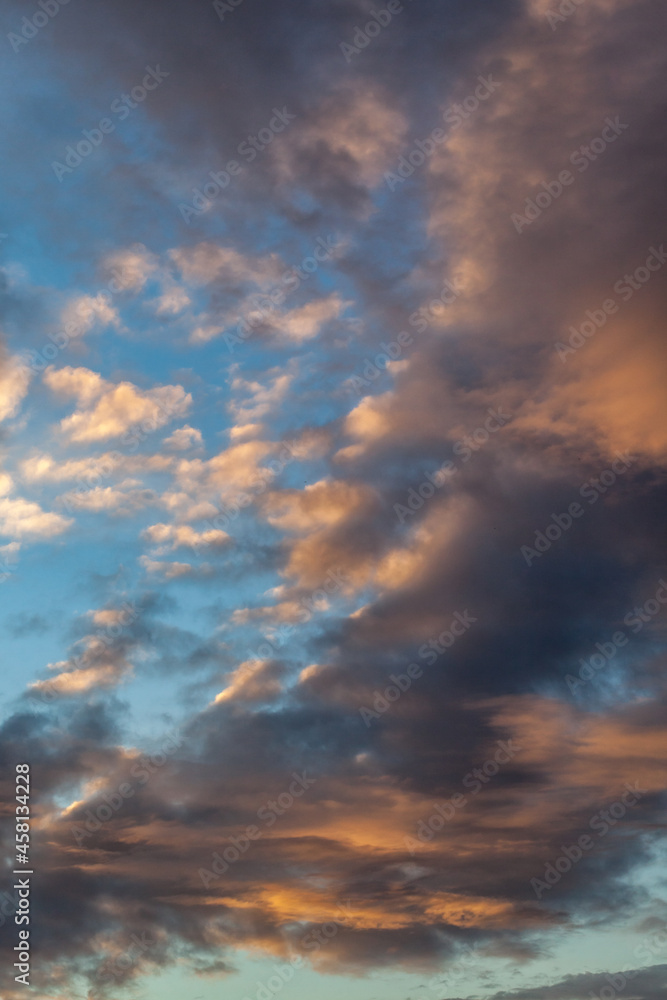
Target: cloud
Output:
[
  {"x": 76, "y": 682},
  {"x": 131, "y": 267},
  {"x": 353, "y": 137},
  {"x": 23, "y": 519},
  {"x": 167, "y": 570},
  {"x": 208, "y": 262},
  {"x": 14, "y": 381},
  {"x": 126, "y": 498},
  {"x": 85, "y": 312},
  {"x": 168, "y": 537},
  {"x": 253, "y": 681},
  {"x": 44, "y": 468},
  {"x": 183, "y": 439},
  {"x": 106, "y": 410},
  {"x": 261, "y": 399},
  {"x": 306, "y": 322},
  {"x": 172, "y": 301},
  {"x": 363, "y": 848}
]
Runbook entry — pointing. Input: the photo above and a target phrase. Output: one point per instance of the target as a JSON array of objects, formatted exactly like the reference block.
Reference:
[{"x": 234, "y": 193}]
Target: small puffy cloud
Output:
[
  {"x": 106, "y": 410},
  {"x": 14, "y": 381},
  {"x": 235, "y": 470},
  {"x": 253, "y": 681},
  {"x": 166, "y": 570},
  {"x": 170, "y": 536},
  {"x": 85, "y": 312},
  {"x": 99, "y": 659},
  {"x": 131, "y": 268},
  {"x": 261, "y": 399},
  {"x": 307, "y": 321},
  {"x": 73, "y": 682},
  {"x": 110, "y": 617},
  {"x": 185, "y": 509},
  {"x": 20, "y": 518},
  {"x": 126, "y": 498},
  {"x": 205, "y": 332},
  {"x": 183, "y": 438},
  {"x": 322, "y": 504},
  {"x": 207, "y": 262},
  {"x": 173, "y": 301},
  {"x": 82, "y": 383},
  {"x": 41, "y": 467},
  {"x": 245, "y": 432}
]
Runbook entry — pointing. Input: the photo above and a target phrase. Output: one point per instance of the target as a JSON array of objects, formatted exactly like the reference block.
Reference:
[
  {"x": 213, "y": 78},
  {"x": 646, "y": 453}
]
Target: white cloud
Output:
[
  {"x": 306, "y": 322},
  {"x": 124, "y": 499},
  {"x": 209, "y": 262},
  {"x": 14, "y": 381},
  {"x": 106, "y": 410},
  {"x": 261, "y": 399},
  {"x": 166, "y": 570},
  {"x": 21, "y": 518},
  {"x": 170, "y": 536},
  {"x": 131, "y": 267},
  {"x": 85, "y": 312},
  {"x": 183, "y": 438},
  {"x": 173, "y": 301}
]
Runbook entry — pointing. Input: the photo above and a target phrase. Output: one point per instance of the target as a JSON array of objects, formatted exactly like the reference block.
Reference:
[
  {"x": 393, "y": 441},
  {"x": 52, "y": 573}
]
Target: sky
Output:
[{"x": 333, "y": 467}]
